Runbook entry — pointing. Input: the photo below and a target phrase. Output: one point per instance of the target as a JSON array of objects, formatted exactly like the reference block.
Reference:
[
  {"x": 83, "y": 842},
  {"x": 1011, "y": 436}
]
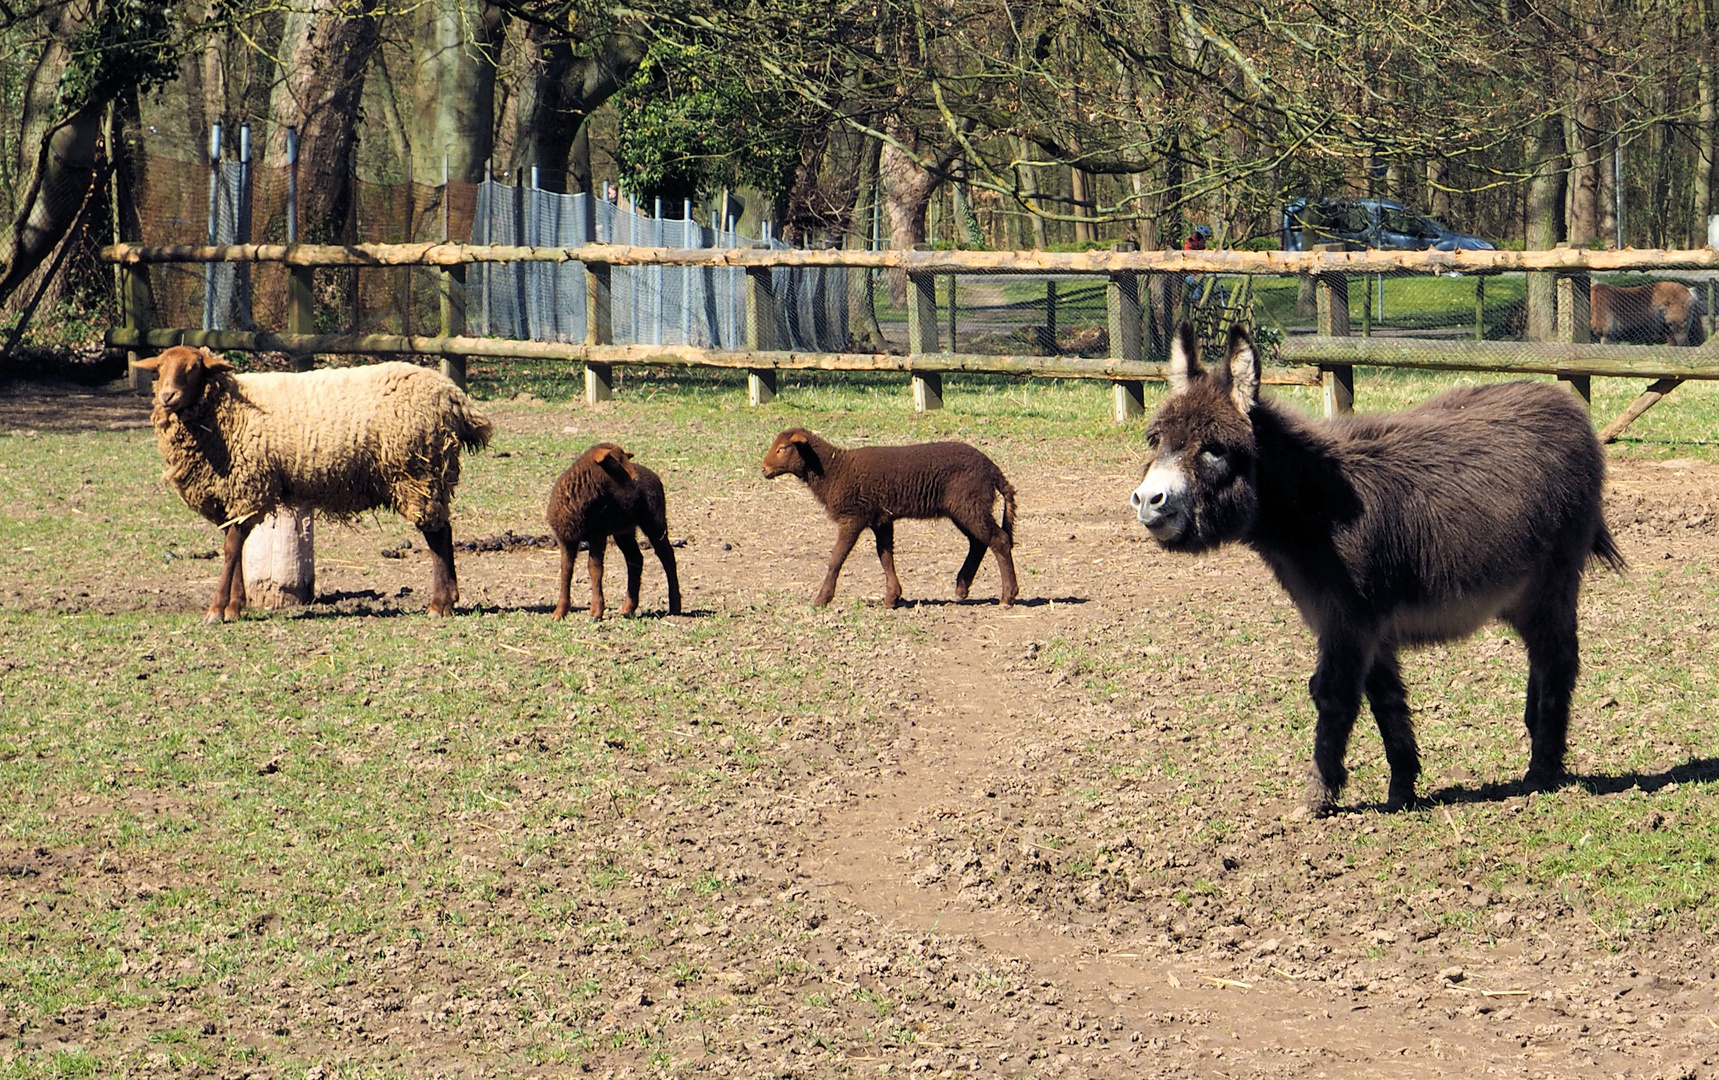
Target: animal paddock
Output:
[{"x": 1058, "y": 840}]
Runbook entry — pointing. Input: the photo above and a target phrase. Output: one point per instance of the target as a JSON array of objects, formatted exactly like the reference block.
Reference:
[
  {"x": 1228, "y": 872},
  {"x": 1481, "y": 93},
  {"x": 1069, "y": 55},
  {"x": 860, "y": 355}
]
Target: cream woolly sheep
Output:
[{"x": 340, "y": 440}]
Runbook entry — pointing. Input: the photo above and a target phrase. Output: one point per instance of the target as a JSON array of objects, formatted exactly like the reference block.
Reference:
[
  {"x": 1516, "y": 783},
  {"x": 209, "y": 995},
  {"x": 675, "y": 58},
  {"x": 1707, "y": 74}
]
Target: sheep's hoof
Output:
[
  {"x": 441, "y": 610},
  {"x": 1397, "y": 801},
  {"x": 213, "y": 618}
]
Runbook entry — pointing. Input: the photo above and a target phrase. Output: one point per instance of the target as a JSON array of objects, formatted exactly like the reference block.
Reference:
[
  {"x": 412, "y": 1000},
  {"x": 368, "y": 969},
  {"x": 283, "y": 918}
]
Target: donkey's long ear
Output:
[
  {"x": 1243, "y": 362},
  {"x": 1184, "y": 365}
]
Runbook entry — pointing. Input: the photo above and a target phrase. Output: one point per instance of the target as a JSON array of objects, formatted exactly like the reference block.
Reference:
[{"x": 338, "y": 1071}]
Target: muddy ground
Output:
[{"x": 935, "y": 872}]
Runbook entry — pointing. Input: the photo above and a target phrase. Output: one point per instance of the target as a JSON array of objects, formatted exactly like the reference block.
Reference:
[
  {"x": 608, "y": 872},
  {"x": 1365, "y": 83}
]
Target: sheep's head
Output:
[
  {"x": 612, "y": 459},
  {"x": 180, "y": 374},
  {"x": 791, "y": 453}
]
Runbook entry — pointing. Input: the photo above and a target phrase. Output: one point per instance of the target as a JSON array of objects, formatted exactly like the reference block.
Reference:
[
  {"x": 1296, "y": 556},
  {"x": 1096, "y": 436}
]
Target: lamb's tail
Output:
[
  {"x": 472, "y": 427},
  {"x": 1007, "y": 491},
  {"x": 1605, "y": 550}
]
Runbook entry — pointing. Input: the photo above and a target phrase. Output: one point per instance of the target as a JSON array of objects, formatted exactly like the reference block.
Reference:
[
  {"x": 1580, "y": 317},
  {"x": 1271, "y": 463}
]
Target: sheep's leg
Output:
[
  {"x": 1336, "y": 690},
  {"x": 884, "y": 533},
  {"x": 847, "y": 533},
  {"x": 1390, "y": 705},
  {"x": 595, "y": 560},
  {"x": 969, "y": 567},
  {"x": 635, "y": 561},
  {"x": 1549, "y": 634},
  {"x": 229, "y": 602},
  {"x": 569, "y": 556},
  {"x": 665, "y": 555},
  {"x": 444, "y": 584}
]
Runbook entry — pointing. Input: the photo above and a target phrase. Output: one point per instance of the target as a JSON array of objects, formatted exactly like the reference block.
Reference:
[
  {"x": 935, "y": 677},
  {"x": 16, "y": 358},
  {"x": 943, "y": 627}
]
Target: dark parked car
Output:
[{"x": 1370, "y": 223}]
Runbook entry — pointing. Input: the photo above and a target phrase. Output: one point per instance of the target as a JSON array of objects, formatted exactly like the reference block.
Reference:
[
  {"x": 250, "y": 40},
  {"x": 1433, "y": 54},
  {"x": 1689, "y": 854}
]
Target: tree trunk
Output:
[
  {"x": 58, "y": 156},
  {"x": 862, "y": 303},
  {"x": 1704, "y": 132},
  {"x": 907, "y": 192},
  {"x": 1438, "y": 199},
  {"x": 1029, "y": 196},
  {"x": 558, "y": 91},
  {"x": 1544, "y": 219},
  {"x": 325, "y": 52},
  {"x": 453, "y": 94}
]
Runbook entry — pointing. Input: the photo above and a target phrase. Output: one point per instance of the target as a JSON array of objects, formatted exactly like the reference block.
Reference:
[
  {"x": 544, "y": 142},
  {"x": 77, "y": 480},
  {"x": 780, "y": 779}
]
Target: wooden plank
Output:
[
  {"x": 301, "y": 311},
  {"x": 1050, "y": 367},
  {"x": 1648, "y": 399},
  {"x": 1371, "y": 260},
  {"x": 136, "y": 303},
  {"x": 599, "y": 331},
  {"x": 1519, "y": 357},
  {"x": 1331, "y": 291}
]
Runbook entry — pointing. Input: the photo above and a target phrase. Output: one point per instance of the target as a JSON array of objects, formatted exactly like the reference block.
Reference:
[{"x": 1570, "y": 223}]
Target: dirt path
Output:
[{"x": 1110, "y": 1002}]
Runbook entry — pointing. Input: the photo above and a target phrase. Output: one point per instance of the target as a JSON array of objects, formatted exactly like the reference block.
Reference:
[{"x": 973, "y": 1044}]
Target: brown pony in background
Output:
[{"x": 1651, "y": 314}]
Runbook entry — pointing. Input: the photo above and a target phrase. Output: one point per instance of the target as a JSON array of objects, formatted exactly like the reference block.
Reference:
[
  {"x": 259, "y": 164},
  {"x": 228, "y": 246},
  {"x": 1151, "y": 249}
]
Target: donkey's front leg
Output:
[{"x": 1336, "y": 690}]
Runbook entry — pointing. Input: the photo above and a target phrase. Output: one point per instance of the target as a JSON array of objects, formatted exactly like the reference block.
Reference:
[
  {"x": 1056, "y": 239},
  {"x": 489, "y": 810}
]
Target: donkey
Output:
[
  {"x": 1661, "y": 311},
  {"x": 1391, "y": 531}
]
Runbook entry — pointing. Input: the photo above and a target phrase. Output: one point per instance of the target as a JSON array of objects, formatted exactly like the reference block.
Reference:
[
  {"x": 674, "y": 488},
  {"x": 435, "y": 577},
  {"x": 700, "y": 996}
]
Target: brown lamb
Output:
[
  {"x": 871, "y": 487},
  {"x": 604, "y": 494}
]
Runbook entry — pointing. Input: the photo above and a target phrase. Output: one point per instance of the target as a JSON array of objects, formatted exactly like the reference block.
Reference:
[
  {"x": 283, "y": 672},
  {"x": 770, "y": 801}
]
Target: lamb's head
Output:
[
  {"x": 613, "y": 460},
  {"x": 792, "y": 452},
  {"x": 1200, "y": 485},
  {"x": 181, "y": 373}
]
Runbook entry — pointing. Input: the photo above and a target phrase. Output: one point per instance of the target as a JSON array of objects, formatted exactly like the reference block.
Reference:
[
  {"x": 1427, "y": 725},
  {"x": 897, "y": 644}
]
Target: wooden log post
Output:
[
  {"x": 760, "y": 332},
  {"x": 922, "y": 338},
  {"x": 1122, "y": 302},
  {"x": 599, "y": 330},
  {"x": 280, "y": 559},
  {"x": 1331, "y": 293},
  {"x": 136, "y": 303},
  {"x": 451, "y": 298},
  {"x": 280, "y": 553},
  {"x": 1573, "y": 326}
]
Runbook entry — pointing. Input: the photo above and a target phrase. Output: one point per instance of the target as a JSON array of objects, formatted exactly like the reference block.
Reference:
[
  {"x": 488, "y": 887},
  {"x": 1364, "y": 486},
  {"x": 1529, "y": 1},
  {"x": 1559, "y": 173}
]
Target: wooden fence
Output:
[{"x": 1327, "y": 358}]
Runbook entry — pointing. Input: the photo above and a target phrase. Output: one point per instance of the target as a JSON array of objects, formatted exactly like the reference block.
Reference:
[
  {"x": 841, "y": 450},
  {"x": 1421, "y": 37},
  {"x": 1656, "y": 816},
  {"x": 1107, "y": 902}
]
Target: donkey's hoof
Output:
[{"x": 1544, "y": 779}]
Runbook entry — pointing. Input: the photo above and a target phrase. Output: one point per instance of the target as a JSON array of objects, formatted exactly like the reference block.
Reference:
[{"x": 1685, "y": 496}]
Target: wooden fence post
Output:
[
  {"x": 1122, "y": 302},
  {"x": 1573, "y": 327},
  {"x": 599, "y": 330},
  {"x": 1332, "y": 292},
  {"x": 1480, "y": 307},
  {"x": 136, "y": 304},
  {"x": 922, "y": 337},
  {"x": 301, "y": 310},
  {"x": 452, "y": 300},
  {"x": 760, "y": 332}
]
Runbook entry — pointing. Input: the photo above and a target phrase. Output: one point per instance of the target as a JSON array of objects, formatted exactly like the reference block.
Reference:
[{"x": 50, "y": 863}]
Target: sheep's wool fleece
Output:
[{"x": 343, "y": 440}]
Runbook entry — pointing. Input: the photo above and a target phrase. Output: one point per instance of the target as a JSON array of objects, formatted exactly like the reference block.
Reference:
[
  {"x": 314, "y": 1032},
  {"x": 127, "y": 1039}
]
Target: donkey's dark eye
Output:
[{"x": 1152, "y": 440}]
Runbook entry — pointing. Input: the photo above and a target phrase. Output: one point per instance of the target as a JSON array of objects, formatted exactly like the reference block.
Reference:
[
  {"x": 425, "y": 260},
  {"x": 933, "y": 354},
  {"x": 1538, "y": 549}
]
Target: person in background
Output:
[{"x": 1198, "y": 239}]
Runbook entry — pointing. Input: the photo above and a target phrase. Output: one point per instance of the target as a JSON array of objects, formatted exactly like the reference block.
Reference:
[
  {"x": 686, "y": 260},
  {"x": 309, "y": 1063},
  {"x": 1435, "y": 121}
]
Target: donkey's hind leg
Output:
[
  {"x": 1390, "y": 705},
  {"x": 1548, "y": 632}
]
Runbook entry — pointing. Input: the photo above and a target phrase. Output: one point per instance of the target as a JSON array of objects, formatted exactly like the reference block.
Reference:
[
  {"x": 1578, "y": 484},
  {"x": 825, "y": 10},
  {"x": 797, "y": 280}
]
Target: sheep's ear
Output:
[
  {"x": 148, "y": 363},
  {"x": 798, "y": 437},
  {"x": 1243, "y": 364},
  {"x": 601, "y": 454},
  {"x": 213, "y": 362},
  {"x": 1184, "y": 366}
]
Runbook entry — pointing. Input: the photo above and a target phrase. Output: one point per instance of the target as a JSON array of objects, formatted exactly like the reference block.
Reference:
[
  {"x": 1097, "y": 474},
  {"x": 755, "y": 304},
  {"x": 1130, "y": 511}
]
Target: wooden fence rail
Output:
[{"x": 1327, "y": 358}]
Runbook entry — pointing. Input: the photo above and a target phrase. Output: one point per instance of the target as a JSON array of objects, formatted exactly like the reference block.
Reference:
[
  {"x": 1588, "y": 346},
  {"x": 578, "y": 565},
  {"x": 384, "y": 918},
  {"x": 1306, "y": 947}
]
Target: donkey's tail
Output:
[
  {"x": 1605, "y": 550},
  {"x": 1007, "y": 491}
]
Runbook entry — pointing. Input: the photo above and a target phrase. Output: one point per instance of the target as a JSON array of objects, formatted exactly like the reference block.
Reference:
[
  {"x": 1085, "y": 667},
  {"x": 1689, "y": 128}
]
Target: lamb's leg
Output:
[
  {"x": 635, "y": 561},
  {"x": 885, "y": 535},
  {"x": 597, "y": 545},
  {"x": 1390, "y": 704},
  {"x": 1554, "y": 659},
  {"x": 569, "y": 556},
  {"x": 847, "y": 533},
  {"x": 229, "y": 602},
  {"x": 969, "y": 566},
  {"x": 1004, "y": 549},
  {"x": 665, "y": 555},
  {"x": 1336, "y": 690},
  {"x": 444, "y": 584}
]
